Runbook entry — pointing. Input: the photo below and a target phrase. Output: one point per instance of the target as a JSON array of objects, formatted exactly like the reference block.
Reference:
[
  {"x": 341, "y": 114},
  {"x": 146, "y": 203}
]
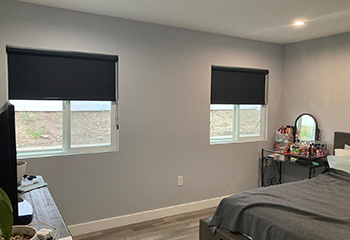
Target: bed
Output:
[{"x": 317, "y": 208}]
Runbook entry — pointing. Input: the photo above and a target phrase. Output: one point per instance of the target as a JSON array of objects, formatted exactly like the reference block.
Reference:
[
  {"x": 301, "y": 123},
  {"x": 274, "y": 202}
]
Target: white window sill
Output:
[
  {"x": 60, "y": 153},
  {"x": 216, "y": 142}
]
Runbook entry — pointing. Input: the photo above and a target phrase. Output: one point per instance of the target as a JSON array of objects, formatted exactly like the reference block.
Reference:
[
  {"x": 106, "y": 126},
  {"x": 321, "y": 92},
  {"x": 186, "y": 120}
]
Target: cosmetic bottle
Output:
[
  {"x": 318, "y": 152},
  {"x": 297, "y": 147},
  {"x": 314, "y": 150},
  {"x": 325, "y": 150},
  {"x": 288, "y": 129},
  {"x": 310, "y": 150},
  {"x": 304, "y": 149}
]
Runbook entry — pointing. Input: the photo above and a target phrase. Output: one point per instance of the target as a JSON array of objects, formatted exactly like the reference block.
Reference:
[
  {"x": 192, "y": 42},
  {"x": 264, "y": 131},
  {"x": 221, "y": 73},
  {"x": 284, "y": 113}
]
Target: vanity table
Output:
[
  {"x": 268, "y": 156},
  {"x": 305, "y": 129}
]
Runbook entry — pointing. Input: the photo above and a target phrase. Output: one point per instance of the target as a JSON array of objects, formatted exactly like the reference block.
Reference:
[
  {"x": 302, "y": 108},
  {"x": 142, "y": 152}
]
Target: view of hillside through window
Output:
[
  {"x": 39, "y": 125},
  {"x": 90, "y": 124},
  {"x": 249, "y": 120},
  {"x": 222, "y": 121}
]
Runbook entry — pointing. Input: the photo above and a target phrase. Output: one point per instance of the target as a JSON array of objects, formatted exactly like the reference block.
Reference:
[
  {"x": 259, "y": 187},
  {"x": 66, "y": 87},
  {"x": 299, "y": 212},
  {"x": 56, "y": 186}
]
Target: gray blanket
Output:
[{"x": 315, "y": 209}]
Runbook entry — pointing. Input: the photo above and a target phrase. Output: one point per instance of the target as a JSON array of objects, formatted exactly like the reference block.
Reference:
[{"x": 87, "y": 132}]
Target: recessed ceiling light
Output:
[{"x": 299, "y": 23}]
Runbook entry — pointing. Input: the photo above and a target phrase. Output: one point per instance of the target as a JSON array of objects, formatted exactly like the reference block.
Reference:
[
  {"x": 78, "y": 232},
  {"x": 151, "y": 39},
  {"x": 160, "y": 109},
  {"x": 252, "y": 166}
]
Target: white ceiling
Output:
[{"x": 263, "y": 20}]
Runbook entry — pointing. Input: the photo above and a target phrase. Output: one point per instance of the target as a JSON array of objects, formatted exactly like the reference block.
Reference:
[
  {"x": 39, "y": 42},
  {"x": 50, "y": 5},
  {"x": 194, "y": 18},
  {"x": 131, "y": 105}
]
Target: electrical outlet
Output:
[{"x": 180, "y": 181}]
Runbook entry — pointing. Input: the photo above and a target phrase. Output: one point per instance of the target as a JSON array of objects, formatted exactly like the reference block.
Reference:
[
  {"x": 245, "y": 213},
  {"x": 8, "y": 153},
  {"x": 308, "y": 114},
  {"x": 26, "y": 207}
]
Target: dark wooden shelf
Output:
[{"x": 45, "y": 209}]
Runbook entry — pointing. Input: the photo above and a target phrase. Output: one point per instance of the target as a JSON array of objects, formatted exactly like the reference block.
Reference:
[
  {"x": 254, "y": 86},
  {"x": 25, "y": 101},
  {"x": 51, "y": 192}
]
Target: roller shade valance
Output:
[
  {"x": 58, "y": 75},
  {"x": 238, "y": 85}
]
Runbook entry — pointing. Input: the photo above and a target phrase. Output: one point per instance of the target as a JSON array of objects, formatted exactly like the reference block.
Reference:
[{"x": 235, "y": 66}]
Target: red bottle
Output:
[{"x": 310, "y": 150}]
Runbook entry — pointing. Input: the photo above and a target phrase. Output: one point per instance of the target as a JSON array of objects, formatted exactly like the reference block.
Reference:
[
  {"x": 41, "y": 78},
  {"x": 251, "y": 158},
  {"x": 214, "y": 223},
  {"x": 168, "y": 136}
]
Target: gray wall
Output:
[
  {"x": 316, "y": 80},
  {"x": 164, "y": 110}
]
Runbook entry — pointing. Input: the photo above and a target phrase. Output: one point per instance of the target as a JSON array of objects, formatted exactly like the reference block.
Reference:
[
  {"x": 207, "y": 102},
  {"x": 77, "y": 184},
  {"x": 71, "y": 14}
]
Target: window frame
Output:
[
  {"x": 66, "y": 137},
  {"x": 236, "y": 138}
]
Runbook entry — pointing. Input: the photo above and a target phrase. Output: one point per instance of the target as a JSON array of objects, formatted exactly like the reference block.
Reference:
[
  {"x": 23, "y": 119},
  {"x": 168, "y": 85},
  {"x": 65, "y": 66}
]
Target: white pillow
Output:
[
  {"x": 339, "y": 162},
  {"x": 347, "y": 147},
  {"x": 342, "y": 152}
]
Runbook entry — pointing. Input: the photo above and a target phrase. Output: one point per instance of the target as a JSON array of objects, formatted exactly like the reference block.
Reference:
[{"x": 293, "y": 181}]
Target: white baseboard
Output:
[{"x": 103, "y": 224}]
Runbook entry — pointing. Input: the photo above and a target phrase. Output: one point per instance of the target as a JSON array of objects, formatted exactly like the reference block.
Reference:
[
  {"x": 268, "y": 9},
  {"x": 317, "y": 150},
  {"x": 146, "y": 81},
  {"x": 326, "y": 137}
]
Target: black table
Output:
[{"x": 298, "y": 160}]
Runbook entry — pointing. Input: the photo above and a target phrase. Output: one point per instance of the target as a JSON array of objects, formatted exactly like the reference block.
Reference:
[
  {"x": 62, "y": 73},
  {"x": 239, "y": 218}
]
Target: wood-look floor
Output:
[{"x": 179, "y": 227}]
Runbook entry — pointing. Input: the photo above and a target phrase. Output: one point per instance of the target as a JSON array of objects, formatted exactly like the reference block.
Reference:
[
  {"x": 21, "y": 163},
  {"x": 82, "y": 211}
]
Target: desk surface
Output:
[
  {"x": 299, "y": 156},
  {"x": 45, "y": 209}
]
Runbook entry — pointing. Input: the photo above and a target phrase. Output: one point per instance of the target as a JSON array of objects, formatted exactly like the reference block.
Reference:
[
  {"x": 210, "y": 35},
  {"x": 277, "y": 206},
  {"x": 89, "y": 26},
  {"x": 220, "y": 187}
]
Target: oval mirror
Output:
[{"x": 307, "y": 126}]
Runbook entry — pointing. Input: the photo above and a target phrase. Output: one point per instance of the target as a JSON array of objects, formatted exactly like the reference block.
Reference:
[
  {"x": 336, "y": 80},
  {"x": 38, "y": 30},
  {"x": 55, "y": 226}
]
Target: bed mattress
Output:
[{"x": 317, "y": 208}]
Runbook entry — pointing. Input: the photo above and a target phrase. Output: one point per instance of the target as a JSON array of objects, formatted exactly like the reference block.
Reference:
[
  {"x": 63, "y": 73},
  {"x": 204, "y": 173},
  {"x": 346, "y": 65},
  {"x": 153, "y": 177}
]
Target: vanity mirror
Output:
[{"x": 308, "y": 128}]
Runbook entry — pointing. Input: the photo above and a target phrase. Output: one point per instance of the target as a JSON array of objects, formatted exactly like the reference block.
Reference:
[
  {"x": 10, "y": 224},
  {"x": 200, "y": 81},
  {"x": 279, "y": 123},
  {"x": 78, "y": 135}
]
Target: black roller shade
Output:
[
  {"x": 58, "y": 75},
  {"x": 238, "y": 85}
]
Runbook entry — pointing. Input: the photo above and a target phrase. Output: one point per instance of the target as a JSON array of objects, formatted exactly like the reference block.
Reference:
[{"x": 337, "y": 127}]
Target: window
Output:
[
  {"x": 38, "y": 125},
  {"x": 238, "y": 104},
  {"x": 90, "y": 123},
  {"x": 53, "y": 127},
  {"x": 230, "y": 122},
  {"x": 65, "y": 102}
]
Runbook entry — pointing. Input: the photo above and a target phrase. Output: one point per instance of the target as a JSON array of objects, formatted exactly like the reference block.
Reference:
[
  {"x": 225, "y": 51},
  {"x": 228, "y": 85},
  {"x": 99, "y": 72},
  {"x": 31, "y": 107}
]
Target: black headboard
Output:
[{"x": 340, "y": 139}]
